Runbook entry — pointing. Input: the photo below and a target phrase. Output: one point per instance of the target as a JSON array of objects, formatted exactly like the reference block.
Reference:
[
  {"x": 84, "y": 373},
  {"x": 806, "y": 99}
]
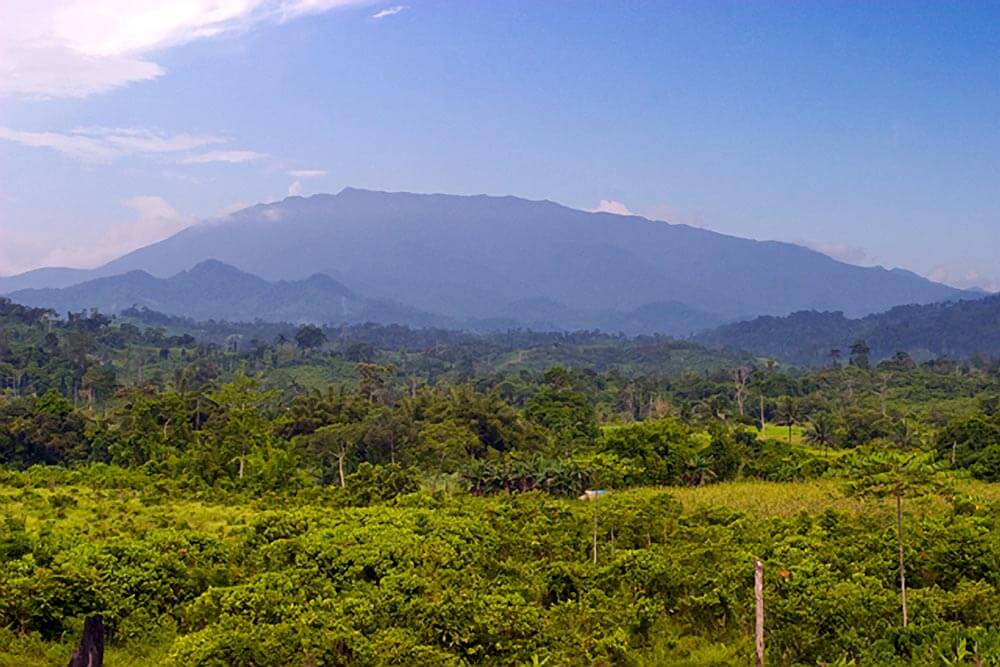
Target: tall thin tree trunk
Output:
[
  {"x": 763, "y": 422},
  {"x": 758, "y": 594},
  {"x": 902, "y": 566},
  {"x": 594, "y": 500},
  {"x": 340, "y": 469}
]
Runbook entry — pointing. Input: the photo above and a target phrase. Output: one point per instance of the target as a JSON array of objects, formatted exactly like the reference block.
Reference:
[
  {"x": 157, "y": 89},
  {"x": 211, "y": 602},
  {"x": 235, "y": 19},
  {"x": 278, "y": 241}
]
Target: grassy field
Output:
[
  {"x": 784, "y": 499},
  {"x": 97, "y": 514},
  {"x": 103, "y": 514},
  {"x": 778, "y": 432}
]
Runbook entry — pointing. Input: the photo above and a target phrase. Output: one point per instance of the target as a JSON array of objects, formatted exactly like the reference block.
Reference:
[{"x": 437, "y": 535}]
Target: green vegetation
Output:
[
  {"x": 420, "y": 504},
  {"x": 959, "y": 329}
]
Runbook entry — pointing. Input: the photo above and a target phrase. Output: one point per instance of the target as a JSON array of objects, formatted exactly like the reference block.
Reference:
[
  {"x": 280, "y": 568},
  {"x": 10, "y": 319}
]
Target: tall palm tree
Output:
[
  {"x": 788, "y": 414},
  {"x": 822, "y": 430}
]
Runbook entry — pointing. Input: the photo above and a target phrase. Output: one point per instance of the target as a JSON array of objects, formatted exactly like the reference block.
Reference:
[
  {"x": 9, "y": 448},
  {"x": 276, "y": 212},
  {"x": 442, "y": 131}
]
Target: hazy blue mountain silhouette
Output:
[
  {"x": 213, "y": 290},
  {"x": 477, "y": 257}
]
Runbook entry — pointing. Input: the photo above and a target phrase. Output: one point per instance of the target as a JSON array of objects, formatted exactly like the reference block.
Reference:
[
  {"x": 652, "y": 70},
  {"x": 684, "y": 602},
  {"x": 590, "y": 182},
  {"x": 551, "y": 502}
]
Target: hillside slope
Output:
[{"x": 479, "y": 256}]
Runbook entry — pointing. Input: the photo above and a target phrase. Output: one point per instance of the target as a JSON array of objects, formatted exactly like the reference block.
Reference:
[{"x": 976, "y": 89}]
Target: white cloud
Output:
[
  {"x": 612, "y": 206},
  {"x": 76, "y": 48},
  {"x": 389, "y": 11},
  {"x": 154, "y": 220},
  {"x": 307, "y": 173},
  {"x": 101, "y": 145},
  {"x": 295, "y": 189},
  {"x": 17, "y": 252},
  {"x": 152, "y": 207}
]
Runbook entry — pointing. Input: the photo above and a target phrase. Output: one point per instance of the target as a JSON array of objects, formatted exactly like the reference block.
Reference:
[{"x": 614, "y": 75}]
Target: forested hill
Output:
[
  {"x": 959, "y": 330},
  {"x": 481, "y": 257}
]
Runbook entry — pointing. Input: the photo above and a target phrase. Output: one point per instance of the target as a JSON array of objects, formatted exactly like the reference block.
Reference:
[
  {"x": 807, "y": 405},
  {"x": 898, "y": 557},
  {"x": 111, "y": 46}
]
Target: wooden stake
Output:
[{"x": 758, "y": 593}]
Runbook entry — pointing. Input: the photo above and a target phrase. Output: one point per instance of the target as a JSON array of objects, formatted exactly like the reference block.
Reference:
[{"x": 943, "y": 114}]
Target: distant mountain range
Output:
[
  {"x": 213, "y": 290},
  {"x": 496, "y": 261},
  {"x": 959, "y": 330},
  {"x": 216, "y": 291}
]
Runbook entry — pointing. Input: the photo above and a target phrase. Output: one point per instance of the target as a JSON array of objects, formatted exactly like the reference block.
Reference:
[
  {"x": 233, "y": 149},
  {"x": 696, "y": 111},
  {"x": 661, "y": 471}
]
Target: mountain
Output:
[
  {"x": 481, "y": 257},
  {"x": 213, "y": 290},
  {"x": 960, "y": 329},
  {"x": 45, "y": 277}
]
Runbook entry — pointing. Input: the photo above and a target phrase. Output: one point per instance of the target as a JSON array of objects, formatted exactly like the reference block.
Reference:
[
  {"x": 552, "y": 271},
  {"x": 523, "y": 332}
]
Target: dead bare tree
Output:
[
  {"x": 758, "y": 594},
  {"x": 741, "y": 378}
]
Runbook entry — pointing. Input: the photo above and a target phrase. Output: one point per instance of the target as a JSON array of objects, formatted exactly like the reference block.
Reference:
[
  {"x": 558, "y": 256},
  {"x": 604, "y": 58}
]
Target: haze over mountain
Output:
[
  {"x": 216, "y": 291},
  {"x": 530, "y": 262},
  {"x": 213, "y": 290}
]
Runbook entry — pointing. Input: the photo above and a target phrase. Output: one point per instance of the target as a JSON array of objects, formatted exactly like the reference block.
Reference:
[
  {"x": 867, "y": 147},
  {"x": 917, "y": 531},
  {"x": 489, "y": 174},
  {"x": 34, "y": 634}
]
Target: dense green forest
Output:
[
  {"x": 261, "y": 494},
  {"x": 957, "y": 329}
]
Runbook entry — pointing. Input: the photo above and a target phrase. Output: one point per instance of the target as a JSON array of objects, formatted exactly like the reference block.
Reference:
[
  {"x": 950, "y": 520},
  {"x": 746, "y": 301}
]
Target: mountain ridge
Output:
[
  {"x": 469, "y": 257},
  {"x": 215, "y": 290}
]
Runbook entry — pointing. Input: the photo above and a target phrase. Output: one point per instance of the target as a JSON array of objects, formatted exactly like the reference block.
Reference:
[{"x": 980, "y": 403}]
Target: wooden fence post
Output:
[{"x": 758, "y": 593}]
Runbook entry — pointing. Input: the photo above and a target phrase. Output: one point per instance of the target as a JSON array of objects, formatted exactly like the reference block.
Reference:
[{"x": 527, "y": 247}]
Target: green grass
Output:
[
  {"x": 17, "y": 650},
  {"x": 97, "y": 514},
  {"x": 314, "y": 376},
  {"x": 784, "y": 499},
  {"x": 777, "y": 432}
]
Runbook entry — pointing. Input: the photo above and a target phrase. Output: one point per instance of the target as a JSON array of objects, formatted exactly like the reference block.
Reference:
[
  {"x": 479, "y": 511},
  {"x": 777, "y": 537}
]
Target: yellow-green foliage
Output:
[
  {"x": 456, "y": 579},
  {"x": 778, "y": 432}
]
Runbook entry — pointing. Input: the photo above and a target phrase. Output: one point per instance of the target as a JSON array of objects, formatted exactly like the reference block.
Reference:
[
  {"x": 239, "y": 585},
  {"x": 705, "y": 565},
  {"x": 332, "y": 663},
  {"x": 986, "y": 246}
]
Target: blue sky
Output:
[{"x": 868, "y": 130}]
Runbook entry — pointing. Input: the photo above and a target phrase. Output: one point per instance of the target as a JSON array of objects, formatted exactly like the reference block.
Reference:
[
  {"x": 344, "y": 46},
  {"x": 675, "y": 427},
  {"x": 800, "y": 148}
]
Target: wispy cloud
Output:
[
  {"x": 389, "y": 11},
  {"x": 76, "y": 48},
  {"x": 307, "y": 173},
  {"x": 295, "y": 189},
  {"x": 101, "y": 145},
  {"x": 153, "y": 219},
  {"x": 233, "y": 157}
]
